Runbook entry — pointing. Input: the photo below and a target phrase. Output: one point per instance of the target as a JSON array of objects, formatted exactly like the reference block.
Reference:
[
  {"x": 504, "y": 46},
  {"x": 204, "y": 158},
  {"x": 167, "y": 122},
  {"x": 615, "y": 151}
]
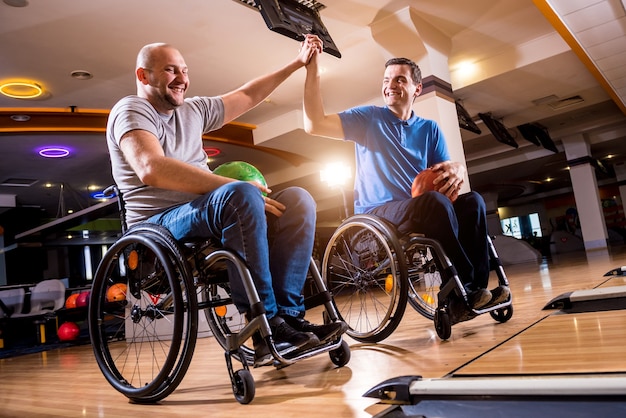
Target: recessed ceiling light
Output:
[
  {"x": 81, "y": 75},
  {"x": 101, "y": 195},
  {"x": 212, "y": 151},
  {"x": 16, "y": 3},
  {"x": 20, "y": 118},
  {"x": 54, "y": 152},
  {"x": 21, "y": 90}
]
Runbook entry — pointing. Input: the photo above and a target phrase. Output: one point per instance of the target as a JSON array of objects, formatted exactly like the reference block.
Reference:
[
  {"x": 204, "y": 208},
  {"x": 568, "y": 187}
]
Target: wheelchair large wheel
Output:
[
  {"x": 424, "y": 278},
  {"x": 365, "y": 271},
  {"x": 143, "y": 341}
]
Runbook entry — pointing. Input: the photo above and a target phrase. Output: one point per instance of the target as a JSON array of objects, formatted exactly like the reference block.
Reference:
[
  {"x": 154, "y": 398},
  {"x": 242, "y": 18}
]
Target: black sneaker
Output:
[
  {"x": 262, "y": 354},
  {"x": 479, "y": 298},
  {"x": 286, "y": 340},
  {"x": 499, "y": 294},
  {"x": 324, "y": 332},
  {"x": 284, "y": 333}
]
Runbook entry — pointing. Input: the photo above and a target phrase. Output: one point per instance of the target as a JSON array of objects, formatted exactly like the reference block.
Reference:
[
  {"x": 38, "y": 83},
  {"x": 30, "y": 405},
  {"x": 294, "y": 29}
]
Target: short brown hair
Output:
[{"x": 416, "y": 73}]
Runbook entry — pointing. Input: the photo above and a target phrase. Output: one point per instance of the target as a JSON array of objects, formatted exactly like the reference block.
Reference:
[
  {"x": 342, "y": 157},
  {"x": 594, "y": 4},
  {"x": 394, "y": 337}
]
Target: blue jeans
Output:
[
  {"x": 460, "y": 228},
  {"x": 277, "y": 250}
]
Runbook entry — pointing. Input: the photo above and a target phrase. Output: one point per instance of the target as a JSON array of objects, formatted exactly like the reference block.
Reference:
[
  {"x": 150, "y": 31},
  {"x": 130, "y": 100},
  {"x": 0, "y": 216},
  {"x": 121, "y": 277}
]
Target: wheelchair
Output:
[
  {"x": 372, "y": 273},
  {"x": 144, "y": 336}
]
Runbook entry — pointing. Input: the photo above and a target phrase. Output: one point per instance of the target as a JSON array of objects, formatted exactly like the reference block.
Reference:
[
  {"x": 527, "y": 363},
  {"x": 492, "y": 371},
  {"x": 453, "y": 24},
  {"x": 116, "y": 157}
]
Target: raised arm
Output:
[
  {"x": 316, "y": 122},
  {"x": 246, "y": 97}
]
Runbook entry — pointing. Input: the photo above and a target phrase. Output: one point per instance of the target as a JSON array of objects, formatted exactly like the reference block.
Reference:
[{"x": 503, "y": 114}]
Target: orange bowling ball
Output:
[
  {"x": 116, "y": 292},
  {"x": 423, "y": 183},
  {"x": 70, "y": 302}
]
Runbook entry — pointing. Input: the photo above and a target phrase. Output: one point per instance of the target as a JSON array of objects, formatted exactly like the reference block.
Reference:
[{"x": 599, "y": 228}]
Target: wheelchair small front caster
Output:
[
  {"x": 243, "y": 386},
  {"x": 442, "y": 323},
  {"x": 341, "y": 355},
  {"x": 502, "y": 315}
]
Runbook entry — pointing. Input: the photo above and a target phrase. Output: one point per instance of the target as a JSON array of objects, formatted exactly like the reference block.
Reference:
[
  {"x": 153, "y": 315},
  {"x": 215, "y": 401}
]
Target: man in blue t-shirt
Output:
[{"x": 393, "y": 145}]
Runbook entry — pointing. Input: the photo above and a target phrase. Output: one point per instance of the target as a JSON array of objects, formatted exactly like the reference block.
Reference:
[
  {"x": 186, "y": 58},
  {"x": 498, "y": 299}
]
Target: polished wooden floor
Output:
[{"x": 68, "y": 383}]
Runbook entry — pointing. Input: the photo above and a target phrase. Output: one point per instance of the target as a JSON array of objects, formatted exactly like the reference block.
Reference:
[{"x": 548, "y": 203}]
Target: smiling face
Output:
[
  {"x": 163, "y": 78},
  {"x": 399, "y": 90}
]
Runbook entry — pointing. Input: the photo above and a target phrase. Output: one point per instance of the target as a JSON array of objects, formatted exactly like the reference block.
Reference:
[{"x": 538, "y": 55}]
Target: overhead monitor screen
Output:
[{"x": 295, "y": 20}]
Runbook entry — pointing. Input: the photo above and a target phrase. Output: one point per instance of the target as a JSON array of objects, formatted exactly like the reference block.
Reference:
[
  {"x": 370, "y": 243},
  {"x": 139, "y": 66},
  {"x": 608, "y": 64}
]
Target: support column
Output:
[
  {"x": 436, "y": 102},
  {"x": 494, "y": 226},
  {"x": 406, "y": 34},
  {"x": 3, "y": 269},
  {"x": 586, "y": 193},
  {"x": 620, "y": 175}
]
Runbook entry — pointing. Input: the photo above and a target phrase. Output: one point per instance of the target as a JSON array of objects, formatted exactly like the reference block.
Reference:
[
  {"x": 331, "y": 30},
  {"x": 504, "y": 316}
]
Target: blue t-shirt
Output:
[{"x": 389, "y": 153}]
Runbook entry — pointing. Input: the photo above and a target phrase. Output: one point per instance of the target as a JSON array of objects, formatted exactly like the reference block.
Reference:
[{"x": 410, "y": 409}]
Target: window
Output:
[
  {"x": 522, "y": 226},
  {"x": 87, "y": 256},
  {"x": 535, "y": 225},
  {"x": 511, "y": 227}
]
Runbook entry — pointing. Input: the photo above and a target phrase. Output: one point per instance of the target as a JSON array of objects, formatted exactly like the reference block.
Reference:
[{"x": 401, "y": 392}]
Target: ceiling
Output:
[{"x": 559, "y": 63}]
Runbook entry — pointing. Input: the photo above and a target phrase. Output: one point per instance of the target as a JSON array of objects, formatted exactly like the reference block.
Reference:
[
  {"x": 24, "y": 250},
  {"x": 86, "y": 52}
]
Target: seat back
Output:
[
  {"x": 47, "y": 296},
  {"x": 12, "y": 301},
  {"x": 111, "y": 191}
]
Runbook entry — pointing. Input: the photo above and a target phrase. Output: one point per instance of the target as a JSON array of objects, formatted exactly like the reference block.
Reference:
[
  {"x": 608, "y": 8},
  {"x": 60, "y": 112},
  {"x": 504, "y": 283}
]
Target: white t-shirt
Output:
[{"x": 180, "y": 135}]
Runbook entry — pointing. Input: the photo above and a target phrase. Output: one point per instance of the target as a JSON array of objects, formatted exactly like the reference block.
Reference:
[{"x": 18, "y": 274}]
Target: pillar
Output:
[
  {"x": 405, "y": 33},
  {"x": 3, "y": 270},
  {"x": 620, "y": 175},
  {"x": 493, "y": 217},
  {"x": 586, "y": 193}
]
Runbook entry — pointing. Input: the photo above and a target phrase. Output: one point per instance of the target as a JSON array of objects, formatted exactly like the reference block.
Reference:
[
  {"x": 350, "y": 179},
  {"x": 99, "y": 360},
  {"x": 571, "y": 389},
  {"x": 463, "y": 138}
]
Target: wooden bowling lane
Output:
[
  {"x": 560, "y": 343},
  {"x": 614, "y": 281}
]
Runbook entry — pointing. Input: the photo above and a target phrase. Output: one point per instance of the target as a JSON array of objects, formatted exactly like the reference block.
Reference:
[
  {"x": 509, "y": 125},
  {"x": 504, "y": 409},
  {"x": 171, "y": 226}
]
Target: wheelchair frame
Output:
[
  {"x": 144, "y": 341},
  {"x": 372, "y": 274}
]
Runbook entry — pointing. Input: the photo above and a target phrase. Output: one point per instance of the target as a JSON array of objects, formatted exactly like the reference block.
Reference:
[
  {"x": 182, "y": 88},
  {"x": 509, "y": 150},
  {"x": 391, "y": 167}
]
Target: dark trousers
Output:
[{"x": 460, "y": 228}]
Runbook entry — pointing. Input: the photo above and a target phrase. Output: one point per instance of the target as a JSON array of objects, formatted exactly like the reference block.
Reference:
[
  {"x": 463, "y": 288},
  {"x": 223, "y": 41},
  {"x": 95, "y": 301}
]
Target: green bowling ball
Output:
[{"x": 240, "y": 170}]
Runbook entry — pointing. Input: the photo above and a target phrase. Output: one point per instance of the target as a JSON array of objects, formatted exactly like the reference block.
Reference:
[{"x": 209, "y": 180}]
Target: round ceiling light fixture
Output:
[
  {"x": 212, "y": 151},
  {"x": 21, "y": 90},
  {"x": 100, "y": 195},
  {"x": 20, "y": 118},
  {"x": 54, "y": 152},
  {"x": 16, "y": 3},
  {"x": 81, "y": 75}
]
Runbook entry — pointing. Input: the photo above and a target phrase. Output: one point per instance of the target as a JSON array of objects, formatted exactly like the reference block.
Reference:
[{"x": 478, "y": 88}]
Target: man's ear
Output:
[
  {"x": 141, "y": 75},
  {"x": 418, "y": 90}
]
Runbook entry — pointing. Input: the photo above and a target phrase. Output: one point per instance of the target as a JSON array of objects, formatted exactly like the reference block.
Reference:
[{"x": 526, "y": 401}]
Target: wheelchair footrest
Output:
[{"x": 297, "y": 355}]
